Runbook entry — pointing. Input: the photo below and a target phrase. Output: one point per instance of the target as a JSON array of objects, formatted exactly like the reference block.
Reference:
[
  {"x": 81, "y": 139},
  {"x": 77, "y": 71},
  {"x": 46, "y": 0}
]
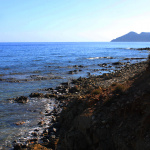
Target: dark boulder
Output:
[
  {"x": 74, "y": 89},
  {"x": 117, "y": 63}
]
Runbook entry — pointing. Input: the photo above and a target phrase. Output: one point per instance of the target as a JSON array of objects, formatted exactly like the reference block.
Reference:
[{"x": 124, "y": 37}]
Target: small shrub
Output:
[
  {"x": 97, "y": 91},
  {"x": 119, "y": 89}
]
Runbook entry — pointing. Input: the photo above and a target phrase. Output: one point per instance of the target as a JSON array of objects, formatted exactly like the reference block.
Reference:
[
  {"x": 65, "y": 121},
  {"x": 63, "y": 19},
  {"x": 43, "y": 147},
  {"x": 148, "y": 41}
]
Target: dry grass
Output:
[
  {"x": 118, "y": 88},
  {"x": 97, "y": 91}
]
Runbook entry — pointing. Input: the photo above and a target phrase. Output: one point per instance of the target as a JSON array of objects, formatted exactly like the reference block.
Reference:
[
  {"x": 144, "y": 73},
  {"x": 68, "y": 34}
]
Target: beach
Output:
[{"x": 97, "y": 112}]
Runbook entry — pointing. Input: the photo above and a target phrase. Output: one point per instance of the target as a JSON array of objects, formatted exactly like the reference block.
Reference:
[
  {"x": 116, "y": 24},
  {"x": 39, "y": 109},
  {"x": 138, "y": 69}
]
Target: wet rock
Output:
[
  {"x": 73, "y": 89},
  {"x": 22, "y": 99},
  {"x": 102, "y": 65},
  {"x": 19, "y": 123},
  {"x": 49, "y": 95},
  {"x": 54, "y": 119},
  {"x": 47, "y": 111},
  {"x": 36, "y": 95},
  {"x": 117, "y": 63},
  {"x": 54, "y": 129},
  {"x": 75, "y": 66},
  {"x": 146, "y": 48},
  {"x": 45, "y": 131},
  {"x": 1, "y": 79},
  {"x": 36, "y": 130},
  {"x": 53, "y": 136},
  {"x": 133, "y": 58},
  {"x": 70, "y": 72},
  {"x": 49, "y": 89},
  {"x": 41, "y": 123},
  {"x": 80, "y": 66},
  {"x": 88, "y": 73},
  {"x": 17, "y": 146},
  {"x": 34, "y": 134},
  {"x": 75, "y": 71}
]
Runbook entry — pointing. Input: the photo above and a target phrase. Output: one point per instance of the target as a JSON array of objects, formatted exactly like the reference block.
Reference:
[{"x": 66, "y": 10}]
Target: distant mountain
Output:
[{"x": 134, "y": 37}]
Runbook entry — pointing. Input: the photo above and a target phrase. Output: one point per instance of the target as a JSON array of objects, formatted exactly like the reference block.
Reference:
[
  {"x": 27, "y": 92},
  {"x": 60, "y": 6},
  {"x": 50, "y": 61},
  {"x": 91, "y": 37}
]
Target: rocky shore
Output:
[{"x": 110, "y": 111}]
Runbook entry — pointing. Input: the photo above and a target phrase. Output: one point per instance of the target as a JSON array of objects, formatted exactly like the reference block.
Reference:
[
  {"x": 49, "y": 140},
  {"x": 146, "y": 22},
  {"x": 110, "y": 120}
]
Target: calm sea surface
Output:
[{"x": 30, "y": 67}]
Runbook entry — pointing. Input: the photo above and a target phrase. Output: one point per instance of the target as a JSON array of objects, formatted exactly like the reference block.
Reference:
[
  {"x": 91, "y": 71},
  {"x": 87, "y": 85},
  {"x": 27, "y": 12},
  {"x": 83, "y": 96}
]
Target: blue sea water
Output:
[{"x": 29, "y": 67}]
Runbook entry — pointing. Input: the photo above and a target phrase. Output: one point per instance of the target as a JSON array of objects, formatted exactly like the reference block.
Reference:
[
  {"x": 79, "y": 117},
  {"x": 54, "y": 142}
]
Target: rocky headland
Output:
[
  {"x": 110, "y": 111},
  {"x": 133, "y": 37}
]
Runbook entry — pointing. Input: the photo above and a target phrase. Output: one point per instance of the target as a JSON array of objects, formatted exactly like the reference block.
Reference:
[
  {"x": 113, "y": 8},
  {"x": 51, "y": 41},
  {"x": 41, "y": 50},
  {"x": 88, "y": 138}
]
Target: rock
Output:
[
  {"x": 19, "y": 123},
  {"x": 45, "y": 131},
  {"x": 146, "y": 48},
  {"x": 117, "y": 63},
  {"x": 49, "y": 95},
  {"x": 41, "y": 123},
  {"x": 17, "y": 146},
  {"x": 80, "y": 66},
  {"x": 73, "y": 89},
  {"x": 70, "y": 72},
  {"x": 54, "y": 129},
  {"x": 54, "y": 119},
  {"x": 22, "y": 99},
  {"x": 75, "y": 66},
  {"x": 53, "y": 136},
  {"x": 49, "y": 89},
  {"x": 34, "y": 134},
  {"x": 102, "y": 65},
  {"x": 88, "y": 73},
  {"x": 75, "y": 71},
  {"x": 36, "y": 95}
]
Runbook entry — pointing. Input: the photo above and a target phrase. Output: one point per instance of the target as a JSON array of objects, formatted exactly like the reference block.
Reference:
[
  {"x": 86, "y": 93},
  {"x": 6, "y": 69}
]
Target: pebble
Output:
[
  {"x": 53, "y": 136},
  {"x": 104, "y": 122},
  {"x": 54, "y": 129}
]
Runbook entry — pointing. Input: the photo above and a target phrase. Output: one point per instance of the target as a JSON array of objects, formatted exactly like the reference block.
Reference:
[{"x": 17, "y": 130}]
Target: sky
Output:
[{"x": 71, "y": 20}]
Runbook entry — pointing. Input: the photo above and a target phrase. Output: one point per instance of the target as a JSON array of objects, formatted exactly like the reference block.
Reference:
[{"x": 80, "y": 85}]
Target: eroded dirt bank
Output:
[{"x": 115, "y": 117}]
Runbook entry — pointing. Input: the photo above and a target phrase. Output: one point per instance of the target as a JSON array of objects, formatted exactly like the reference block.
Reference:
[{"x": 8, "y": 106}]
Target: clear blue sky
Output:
[{"x": 71, "y": 20}]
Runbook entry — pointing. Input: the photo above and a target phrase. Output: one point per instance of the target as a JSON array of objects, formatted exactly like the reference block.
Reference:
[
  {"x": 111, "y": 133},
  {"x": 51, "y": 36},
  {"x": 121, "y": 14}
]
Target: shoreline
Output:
[{"x": 72, "y": 94}]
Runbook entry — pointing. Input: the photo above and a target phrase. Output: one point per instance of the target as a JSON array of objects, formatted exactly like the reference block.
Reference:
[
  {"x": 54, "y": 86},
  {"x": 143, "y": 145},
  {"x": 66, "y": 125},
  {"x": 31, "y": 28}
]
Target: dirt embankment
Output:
[
  {"x": 109, "y": 112},
  {"x": 116, "y": 117}
]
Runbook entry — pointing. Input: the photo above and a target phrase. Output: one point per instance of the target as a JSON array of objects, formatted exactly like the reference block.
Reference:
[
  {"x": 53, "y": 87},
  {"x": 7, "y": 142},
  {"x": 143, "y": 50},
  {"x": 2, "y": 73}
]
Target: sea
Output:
[{"x": 28, "y": 67}]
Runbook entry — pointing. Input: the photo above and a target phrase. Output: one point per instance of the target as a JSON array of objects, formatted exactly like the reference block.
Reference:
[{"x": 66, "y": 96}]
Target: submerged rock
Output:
[
  {"x": 22, "y": 99},
  {"x": 36, "y": 95},
  {"x": 102, "y": 65},
  {"x": 19, "y": 123}
]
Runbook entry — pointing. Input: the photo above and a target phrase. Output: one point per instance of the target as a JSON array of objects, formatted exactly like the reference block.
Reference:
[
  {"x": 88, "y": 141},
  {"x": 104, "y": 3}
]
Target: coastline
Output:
[{"x": 82, "y": 98}]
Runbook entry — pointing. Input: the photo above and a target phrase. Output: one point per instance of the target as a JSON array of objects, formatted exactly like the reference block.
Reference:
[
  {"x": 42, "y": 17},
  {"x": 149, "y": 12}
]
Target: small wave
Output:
[
  {"x": 91, "y": 58},
  {"x": 94, "y": 58}
]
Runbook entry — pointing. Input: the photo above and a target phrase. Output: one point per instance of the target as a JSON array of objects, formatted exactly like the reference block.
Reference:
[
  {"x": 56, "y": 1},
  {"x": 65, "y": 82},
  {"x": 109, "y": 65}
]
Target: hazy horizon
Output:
[{"x": 71, "y": 21}]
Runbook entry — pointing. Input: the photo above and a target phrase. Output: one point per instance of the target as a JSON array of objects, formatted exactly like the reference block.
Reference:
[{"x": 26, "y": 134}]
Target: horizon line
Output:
[{"x": 55, "y": 42}]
